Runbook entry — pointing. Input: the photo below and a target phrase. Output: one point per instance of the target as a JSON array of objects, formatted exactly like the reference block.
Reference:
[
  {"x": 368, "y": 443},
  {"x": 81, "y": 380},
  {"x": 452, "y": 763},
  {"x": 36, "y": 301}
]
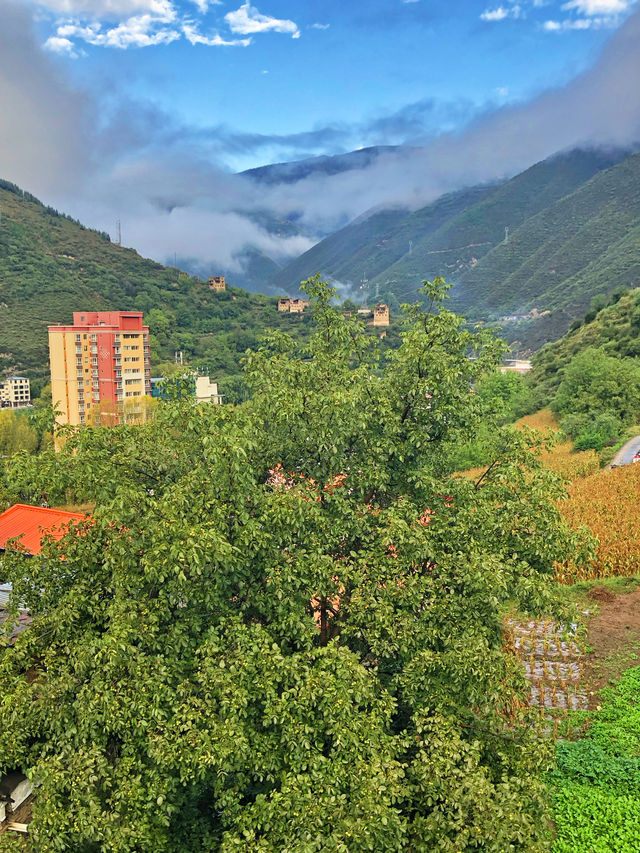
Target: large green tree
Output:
[
  {"x": 282, "y": 628},
  {"x": 594, "y": 383}
]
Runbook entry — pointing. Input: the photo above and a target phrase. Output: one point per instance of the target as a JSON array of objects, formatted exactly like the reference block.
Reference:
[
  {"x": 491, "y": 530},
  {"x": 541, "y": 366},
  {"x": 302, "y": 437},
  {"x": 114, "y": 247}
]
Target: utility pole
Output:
[{"x": 119, "y": 232}]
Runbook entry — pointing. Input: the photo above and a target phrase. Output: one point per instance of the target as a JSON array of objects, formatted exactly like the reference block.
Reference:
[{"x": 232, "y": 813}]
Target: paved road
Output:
[{"x": 627, "y": 452}]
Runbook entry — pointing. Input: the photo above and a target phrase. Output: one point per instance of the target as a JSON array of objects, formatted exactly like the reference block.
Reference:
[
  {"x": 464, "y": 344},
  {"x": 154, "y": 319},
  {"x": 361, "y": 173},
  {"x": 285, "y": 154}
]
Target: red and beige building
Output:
[{"x": 98, "y": 363}]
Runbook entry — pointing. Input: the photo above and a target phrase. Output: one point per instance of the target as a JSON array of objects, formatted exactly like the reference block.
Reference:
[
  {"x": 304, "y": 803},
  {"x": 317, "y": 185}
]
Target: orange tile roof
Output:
[{"x": 30, "y": 524}]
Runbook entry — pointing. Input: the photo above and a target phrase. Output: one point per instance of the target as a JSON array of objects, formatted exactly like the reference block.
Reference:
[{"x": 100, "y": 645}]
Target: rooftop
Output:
[{"x": 30, "y": 524}]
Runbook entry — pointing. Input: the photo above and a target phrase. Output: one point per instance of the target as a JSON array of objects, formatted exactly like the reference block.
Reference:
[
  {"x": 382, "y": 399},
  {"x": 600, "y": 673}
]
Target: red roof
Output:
[{"x": 31, "y": 523}]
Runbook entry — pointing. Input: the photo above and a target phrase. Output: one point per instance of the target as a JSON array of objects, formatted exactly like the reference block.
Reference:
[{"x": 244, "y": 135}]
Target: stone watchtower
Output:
[
  {"x": 381, "y": 314},
  {"x": 217, "y": 283}
]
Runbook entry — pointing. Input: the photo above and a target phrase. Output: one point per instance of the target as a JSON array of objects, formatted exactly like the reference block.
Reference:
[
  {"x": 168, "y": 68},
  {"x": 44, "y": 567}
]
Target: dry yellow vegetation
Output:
[
  {"x": 561, "y": 458},
  {"x": 608, "y": 503}
]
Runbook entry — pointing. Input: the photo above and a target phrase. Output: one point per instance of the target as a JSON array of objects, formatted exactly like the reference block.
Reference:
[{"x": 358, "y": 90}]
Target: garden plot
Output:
[{"x": 553, "y": 664}]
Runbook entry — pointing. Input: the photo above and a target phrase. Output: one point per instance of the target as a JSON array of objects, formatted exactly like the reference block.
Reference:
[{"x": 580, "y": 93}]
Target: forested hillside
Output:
[
  {"x": 573, "y": 226},
  {"x": 615, "y": 328},
  {"x": 586, "y": 243},
  {"x": 367, "y": 247},
  {"x": 51, "y": 265}
]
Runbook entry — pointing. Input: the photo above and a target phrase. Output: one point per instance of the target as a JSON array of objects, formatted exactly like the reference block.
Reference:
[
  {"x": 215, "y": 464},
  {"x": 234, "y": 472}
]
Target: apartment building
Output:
[
  {"x": 15, "y": 392},
  {"x": 97, "y": 364}
]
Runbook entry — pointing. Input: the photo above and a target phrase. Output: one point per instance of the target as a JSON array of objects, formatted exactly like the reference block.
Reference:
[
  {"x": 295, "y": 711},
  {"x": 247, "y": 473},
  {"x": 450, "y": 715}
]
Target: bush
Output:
[
  {"x": 590, "y": 433},
  {"x": 595, "y": 383}
]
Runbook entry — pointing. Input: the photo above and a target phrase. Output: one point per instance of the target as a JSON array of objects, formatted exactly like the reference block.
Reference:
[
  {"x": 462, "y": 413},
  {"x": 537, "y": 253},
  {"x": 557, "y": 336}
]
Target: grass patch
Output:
[{"x": 595, "y": 786}]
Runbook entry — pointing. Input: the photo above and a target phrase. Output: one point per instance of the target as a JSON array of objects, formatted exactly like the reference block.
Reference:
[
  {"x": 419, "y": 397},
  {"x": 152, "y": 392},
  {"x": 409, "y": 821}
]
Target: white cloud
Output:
[
  {"x": 598, "y": 7},
  {"x": 590, "y": 15},
  {"x": 203, "y": 5},
  {"x": 320, "y": 26},
  {"x": 61, "y": 45},
  {"x": 193, "y": 36},
  {"x": 72, "y": 152},
  {"x": 247, "y": 21},
  {"x": 138, "y": 31},
  {"x": 580, "y": 24},
  {"x": 108, "y": 9},
  {"x": 501, "y": 13},
  {"x": 144, "y": 23},
  {"x": 498, "y": 14}
]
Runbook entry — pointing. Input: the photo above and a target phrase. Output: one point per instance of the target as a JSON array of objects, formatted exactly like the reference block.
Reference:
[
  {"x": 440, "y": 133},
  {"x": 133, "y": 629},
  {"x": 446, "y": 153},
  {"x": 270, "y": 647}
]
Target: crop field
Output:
[
  {"x": 552, "y": 661},
  {"x": 607, "y": 503},
  {"x": 561, "y": 458},
  {"x": 595, "y": 785}
]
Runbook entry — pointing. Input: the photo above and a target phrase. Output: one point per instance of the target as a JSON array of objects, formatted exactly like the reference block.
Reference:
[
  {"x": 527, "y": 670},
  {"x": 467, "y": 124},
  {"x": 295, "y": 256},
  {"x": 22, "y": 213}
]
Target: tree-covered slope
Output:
[
  {"x": 457, "y": 249},
  {"x": 371, "y": 244},
  {"x": 51, "y": 266},
  {"x": 615, "y": 329},
  {"x": 451, "y": 237},
  {"x": 584, "y": 244}
]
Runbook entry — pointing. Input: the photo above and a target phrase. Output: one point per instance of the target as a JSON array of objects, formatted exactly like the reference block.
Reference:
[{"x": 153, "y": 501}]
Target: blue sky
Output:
[{"x": 333, "y": 68}]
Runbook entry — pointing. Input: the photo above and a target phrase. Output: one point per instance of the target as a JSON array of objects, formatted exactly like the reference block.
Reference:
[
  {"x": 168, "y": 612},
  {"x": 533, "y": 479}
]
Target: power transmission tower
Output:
[
  {"x": 119, "y": 232},
  {"x": 506, "y": 234},
  {"x": 364, "y": 281}
]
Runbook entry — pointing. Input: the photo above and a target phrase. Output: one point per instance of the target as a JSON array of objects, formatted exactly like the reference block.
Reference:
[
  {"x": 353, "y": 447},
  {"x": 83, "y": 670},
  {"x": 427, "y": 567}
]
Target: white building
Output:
[
  {"x": 15, "y": 392},
  {"x": 517, "y": 365},
  {"x": 207, "y": 391}
]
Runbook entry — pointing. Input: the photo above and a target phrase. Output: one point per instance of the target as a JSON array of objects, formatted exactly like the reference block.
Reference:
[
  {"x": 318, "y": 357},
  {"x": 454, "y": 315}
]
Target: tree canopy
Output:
[
  {"x": 594, "y": 382},
  {"x": 282, "y": 627}
]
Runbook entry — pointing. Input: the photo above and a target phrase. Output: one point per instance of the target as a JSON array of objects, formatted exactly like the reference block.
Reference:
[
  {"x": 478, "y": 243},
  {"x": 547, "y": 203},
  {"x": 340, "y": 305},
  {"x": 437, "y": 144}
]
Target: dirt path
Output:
[{"x": 613, "y": 634}]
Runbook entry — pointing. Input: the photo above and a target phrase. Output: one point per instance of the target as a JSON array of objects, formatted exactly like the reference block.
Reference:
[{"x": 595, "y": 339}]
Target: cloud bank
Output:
[{"x": 120, "y": 160}]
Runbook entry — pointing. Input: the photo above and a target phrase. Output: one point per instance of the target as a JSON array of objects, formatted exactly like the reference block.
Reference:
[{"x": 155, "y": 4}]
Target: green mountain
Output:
[
  {"x": 368, "y": 247},
  {"x": 586, "y": 243},
  {"x": 51, "y": 266},
  {"x": 615, "y": 329},
  {"x": 571, "y": 223}
]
